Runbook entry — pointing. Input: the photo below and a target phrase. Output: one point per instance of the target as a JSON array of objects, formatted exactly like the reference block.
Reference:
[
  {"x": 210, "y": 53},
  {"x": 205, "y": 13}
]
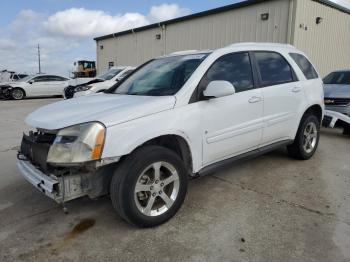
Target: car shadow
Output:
[{"x": 32, "y": 98}]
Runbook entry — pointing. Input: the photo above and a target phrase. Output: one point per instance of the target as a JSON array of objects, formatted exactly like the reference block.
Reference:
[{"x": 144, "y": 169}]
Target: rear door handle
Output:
[
  {"x": 296, "y": 89},
  {"x": 254, "y": 99}
]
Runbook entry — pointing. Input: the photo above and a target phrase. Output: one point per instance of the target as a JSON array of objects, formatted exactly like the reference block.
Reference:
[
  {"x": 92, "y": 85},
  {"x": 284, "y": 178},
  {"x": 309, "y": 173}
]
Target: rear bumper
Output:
[
  {"x": 340, "y": 109},
  {"x": 333, "y": 117}
]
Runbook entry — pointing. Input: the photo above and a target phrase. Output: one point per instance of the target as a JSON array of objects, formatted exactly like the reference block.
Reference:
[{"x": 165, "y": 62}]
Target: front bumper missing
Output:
[{"x": 61, "y": 189}]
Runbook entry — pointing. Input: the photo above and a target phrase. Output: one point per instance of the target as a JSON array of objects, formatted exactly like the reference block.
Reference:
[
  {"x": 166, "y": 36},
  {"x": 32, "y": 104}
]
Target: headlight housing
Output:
[
  {"x": 77, "y": 144},
  {"x": 83, "y": 88}
]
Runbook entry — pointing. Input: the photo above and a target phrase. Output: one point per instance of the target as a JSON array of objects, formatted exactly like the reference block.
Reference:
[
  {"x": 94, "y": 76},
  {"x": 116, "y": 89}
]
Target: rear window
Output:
[{"x": 304, "y": 65}]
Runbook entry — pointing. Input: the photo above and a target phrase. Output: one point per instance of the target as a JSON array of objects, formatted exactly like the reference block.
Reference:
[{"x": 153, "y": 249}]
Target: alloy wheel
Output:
[
  {"x": 310, "y": 137},
  {"x": 17, "y": 94},
  {"x": 156, "y": 188}
]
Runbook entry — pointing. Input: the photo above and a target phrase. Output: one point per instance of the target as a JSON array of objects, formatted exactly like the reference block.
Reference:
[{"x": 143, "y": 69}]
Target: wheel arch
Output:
[
  {"x": 175, "y": 142},
  {"x": 17, "y": 87},
  {"x": 316, "y": 110}
]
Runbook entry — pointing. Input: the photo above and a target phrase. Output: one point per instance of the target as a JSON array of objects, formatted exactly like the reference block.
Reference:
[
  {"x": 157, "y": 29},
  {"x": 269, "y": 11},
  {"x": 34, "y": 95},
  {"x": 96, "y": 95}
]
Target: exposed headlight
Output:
[
  {"x": 77, "y": 144},
  {"x": 83, "y": 88}
]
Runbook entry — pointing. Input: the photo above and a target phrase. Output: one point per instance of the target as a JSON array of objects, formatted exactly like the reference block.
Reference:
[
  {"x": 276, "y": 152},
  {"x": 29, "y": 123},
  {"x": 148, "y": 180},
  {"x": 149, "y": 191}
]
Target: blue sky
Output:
[
  {"x": 65, "y": 28},
  {"x": 12, "y": 8}
]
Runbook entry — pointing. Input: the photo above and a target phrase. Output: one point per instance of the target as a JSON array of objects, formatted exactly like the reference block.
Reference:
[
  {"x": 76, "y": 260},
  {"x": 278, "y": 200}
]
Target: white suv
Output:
[{"x": 175, "y": 117}]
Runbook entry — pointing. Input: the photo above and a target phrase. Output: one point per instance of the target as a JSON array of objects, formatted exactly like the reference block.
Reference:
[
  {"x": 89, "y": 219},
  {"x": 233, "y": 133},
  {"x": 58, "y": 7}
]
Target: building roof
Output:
[{"x": 210, "y": 12}]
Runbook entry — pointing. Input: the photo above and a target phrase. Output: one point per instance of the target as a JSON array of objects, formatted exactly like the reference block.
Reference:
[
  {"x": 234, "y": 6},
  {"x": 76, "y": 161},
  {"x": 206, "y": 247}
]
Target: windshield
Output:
[
  {"x": 24, "y": 79},
  {"x": 338, "y": 78},
  {"x": 110, "y": 74},
  {"x": 161, "y": 77}
]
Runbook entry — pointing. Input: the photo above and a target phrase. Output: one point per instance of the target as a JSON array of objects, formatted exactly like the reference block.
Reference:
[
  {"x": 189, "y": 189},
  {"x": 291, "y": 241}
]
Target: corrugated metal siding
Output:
[
  {"x": 327, "y": 44},
  {"x": 131, "y": 49},
  {"x": 209, "y": 32},
  {"x": 239, "y": 25}
]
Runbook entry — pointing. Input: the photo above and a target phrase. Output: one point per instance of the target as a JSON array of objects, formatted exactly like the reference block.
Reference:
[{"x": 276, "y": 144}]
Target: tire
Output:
[
  {"x": 306, "y": 141},
  {"x": 135, "y": 186},
  {"x": 17, "y": 94},
  {"x": 346, "y": 130}
]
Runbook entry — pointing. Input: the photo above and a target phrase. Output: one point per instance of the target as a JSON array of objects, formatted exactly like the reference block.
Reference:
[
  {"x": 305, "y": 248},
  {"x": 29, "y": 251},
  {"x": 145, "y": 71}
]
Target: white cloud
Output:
[
  {"x": 88, "y": 23},
  {"x": 66, "y": 36},
  {"x": 82, "y": 22},
  {"x": 167, "y": 11}
]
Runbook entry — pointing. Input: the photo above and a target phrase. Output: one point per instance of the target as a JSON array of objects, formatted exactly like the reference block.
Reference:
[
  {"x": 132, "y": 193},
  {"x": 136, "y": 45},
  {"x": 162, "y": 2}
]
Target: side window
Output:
[
  {"x": 57, "y": 78},
  {"x": 274, "y": 68},
  {"x": 40, "y": 79},
  {"x": 304, "y": 65},
  {"x": 235, "y": 68},
  {"x": 50, "y": 79}
]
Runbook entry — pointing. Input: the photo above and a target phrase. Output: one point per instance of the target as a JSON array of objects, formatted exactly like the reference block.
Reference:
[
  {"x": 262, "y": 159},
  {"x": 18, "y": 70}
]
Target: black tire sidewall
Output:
[
  {"x": 307, "y": 119},
  {"x": 138, "y": 162}
]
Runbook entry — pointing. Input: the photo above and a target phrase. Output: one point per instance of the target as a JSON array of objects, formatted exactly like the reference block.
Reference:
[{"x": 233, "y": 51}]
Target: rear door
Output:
[{"x": 283, "y": 96}]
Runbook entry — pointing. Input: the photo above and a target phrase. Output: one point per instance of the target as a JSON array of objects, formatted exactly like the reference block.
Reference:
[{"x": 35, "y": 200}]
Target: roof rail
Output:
[{"x": 265, "y": 44}]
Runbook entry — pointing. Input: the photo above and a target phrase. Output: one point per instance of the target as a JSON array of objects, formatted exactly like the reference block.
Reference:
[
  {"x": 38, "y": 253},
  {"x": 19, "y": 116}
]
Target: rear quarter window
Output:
[{"x": 304, "y": 65}]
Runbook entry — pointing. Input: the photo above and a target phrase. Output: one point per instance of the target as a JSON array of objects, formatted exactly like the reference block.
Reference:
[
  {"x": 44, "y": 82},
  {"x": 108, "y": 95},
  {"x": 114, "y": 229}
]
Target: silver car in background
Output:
[{"x": 337, "y": 91}]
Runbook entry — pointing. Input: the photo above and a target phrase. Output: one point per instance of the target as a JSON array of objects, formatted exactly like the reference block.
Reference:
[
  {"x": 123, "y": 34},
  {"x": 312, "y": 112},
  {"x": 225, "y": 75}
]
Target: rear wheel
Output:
[
  {"x": 149, "y": 186},
  {"x": 17, "y": 94},
  {"x": 307, "y": 138}
]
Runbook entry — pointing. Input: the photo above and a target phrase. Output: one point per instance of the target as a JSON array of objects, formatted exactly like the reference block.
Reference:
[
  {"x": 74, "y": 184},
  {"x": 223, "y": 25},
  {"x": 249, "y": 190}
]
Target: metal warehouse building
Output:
[{"x": 320, "y": 28}]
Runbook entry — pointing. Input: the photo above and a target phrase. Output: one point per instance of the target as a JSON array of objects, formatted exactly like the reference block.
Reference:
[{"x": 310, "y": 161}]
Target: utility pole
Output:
[{"x": 39, "y": 59}]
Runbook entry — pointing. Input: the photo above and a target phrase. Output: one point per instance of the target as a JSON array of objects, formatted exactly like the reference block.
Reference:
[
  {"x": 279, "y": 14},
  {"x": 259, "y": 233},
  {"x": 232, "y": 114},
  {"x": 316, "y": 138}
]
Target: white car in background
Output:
[
  {"x": 37, "y": 85},
  {"x": 112, "y": 76}
]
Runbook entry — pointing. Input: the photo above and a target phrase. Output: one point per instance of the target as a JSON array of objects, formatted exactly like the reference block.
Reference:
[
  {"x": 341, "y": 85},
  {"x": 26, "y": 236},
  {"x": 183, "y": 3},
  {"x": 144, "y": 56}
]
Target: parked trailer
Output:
[{"x": 331, "y": 118}]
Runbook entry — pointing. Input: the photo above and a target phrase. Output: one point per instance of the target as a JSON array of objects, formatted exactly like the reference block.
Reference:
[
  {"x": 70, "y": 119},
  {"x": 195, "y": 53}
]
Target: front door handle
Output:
[
  {"x": 296, "y": 89},
  {"x": 254, "y": 99}
]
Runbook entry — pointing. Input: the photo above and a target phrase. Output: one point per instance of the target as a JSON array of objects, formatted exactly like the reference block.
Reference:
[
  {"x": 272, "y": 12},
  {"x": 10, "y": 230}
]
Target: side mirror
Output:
[
  {"x": 31, "y": 81},
  {"x": 219, "y": 89}
]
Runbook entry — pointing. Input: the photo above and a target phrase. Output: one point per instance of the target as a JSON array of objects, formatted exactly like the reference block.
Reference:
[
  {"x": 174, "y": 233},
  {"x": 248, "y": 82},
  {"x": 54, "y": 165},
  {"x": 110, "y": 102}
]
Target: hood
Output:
[
  {"x": 103, "y": 85},
  {"x": 109, "y": 109},
  {"x": 17, "y": 84},
  {"x": 80, "y": 81},
  {"x": 5, "y": 83},
  {"x": 336, "y": 91}
]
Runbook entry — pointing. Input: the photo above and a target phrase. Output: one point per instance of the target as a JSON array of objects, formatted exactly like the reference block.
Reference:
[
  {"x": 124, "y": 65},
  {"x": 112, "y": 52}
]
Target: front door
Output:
[
  {"x": 232, "y": 124},
  {"x": 37, "y": 86}
]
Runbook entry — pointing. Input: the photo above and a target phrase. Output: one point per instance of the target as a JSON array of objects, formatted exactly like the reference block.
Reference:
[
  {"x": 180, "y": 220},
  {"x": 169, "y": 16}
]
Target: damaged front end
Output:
[
  {"x": 5, "y": 91},
  {"x": 61, "y": 181}
]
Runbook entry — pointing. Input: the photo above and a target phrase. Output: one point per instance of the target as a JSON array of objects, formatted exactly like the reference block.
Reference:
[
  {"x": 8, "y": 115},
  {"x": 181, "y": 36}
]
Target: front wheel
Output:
[
  {"x": 149, "y": 186},
  {"x": 17, "y": 94},
  {"x": 307, "y": 138}
]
